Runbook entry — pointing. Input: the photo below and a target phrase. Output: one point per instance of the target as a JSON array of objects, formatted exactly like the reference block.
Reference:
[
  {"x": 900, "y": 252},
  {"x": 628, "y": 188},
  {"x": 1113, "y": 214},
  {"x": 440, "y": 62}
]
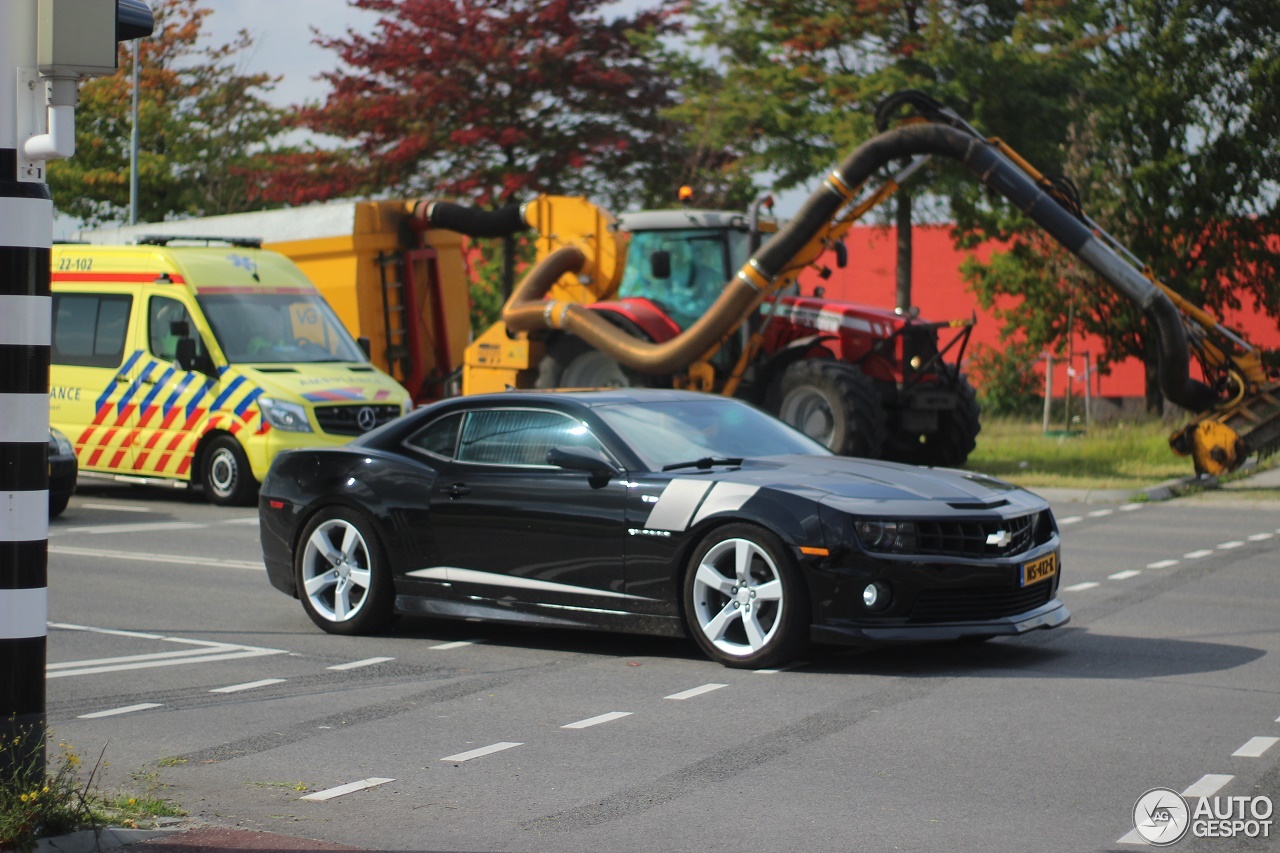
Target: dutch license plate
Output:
[{"x": 1039, "y": 570}]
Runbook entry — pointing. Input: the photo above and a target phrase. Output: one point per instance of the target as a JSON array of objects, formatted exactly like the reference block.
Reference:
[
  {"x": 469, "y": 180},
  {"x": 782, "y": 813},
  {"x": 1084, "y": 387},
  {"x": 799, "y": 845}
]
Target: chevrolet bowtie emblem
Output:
[{"x": 1000, "y": 539}]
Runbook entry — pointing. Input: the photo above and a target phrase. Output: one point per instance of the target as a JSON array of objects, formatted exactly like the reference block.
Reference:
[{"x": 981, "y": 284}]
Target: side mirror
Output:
[
  {"x": 582, "y": 459},
  {"x": 660, "y": 264},
  {"x": 185, "y": 351},
  {"x": 842, "y": 254},
  {"x": 365, "y": 346}
]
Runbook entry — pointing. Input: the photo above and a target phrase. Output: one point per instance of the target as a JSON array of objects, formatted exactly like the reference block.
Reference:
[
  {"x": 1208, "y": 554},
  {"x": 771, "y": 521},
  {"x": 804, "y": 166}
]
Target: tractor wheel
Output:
[
  {"x": 573, "y": 363},
  {"x": 955, "y": 439},
  {"x": 832, "y": 402}
]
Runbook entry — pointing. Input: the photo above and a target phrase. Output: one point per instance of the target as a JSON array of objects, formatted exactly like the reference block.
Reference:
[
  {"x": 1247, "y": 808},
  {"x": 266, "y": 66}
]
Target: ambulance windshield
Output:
[{"x": 277, "y": 328}]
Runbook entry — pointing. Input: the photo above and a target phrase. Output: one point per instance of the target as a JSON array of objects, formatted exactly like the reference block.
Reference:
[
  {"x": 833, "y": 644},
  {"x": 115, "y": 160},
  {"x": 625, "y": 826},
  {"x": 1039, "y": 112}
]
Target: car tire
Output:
[
  {"x": 342, "y": 575},
  {"x": 571, "y": 362},
  {"x": 957, "y": 433},
  {"x": 225, "y": 472},
  {"x": 766, "y": 625},
  {"x": 833, "y": 403},
  {"x": 58, "y": 504}
]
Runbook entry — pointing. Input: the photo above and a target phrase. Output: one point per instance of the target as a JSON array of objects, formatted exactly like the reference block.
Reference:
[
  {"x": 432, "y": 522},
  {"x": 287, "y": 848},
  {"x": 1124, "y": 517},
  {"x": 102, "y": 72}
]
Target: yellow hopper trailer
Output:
[{"x": 403, "y": 291}]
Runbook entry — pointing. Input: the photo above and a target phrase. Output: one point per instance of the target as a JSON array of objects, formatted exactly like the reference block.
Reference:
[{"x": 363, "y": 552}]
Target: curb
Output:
[{"x": 106, "y": 838}]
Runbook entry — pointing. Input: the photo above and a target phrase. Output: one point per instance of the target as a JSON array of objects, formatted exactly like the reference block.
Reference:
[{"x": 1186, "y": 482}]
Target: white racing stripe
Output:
[
  {"x": 676, "y": 505},
  {"x": 724, "y": 497},
  {"x": 127, "y": 709},
  {"x": 694, "y": 691},
  {"x": 595, "y": 721},
  {"x": 349, "y": 788},
  {"x": 482, "y": 751},
  {"x": 171, "y": 559}
]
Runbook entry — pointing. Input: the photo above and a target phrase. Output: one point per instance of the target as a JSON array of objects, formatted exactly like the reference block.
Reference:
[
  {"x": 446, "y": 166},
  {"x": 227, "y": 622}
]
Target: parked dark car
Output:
[
  {"x": 657, "y": 512},
  {"x": 63, "y": 470}
]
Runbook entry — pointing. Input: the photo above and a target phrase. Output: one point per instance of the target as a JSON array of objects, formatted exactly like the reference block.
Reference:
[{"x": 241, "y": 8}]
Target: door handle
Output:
[
  {"x": 148, "y": 380},
  {"x": 458, "y": 490},
  {"x": 122, "y": 378}
]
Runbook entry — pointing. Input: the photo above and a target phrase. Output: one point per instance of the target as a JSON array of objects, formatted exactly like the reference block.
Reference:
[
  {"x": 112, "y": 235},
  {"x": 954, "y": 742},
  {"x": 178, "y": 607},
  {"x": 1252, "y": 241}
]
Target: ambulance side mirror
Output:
[{"x": 366, "y": 346}]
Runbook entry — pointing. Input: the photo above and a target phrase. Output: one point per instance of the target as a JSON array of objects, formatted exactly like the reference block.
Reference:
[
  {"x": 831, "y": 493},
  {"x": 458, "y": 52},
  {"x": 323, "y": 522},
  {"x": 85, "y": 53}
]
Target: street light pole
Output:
[{"x": 133, "y": 144}]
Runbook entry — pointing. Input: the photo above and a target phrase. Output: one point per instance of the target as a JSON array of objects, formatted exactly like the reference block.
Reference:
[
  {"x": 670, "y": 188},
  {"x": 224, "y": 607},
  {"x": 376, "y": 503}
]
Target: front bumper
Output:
[
  {"x": 1052, "y": 615},
  {"x": 62, "y": 476}
]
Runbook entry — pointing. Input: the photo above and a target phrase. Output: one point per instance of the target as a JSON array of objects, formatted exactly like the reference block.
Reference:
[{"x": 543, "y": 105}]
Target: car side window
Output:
[
  {"x": 519, "y": 436},
  {"x": 162, "y": 313},
  {"x": 439, "y": 438},
  {"x": 89, "y": 328}
]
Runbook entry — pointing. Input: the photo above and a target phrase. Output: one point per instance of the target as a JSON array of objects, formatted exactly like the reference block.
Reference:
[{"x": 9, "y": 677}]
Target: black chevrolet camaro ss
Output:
[{"x": 656, "y": 512}]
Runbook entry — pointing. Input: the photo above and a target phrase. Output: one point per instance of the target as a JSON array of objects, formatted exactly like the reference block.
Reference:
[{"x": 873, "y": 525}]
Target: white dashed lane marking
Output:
[
  {"x": 175, "y": 559},
  {"x": 1255, "y": 747},
  {"x": 1208, "y": 785},
  {"x": 457, "y": 644},
  {"x": 695, "y": 691},
  {"x": 119, "y": 507},
  {"x": 1101, "y": 513},
  {"x": 1081, "y": 587},
  {"x": 236, "y": 688},
  {"x": 1196, "y": 555},
  {"x": 349, "y": 788},
  {"x": 1131, "y": 507},
  {"x": 1261, "y": 537},
  {"x": 1125, "y": 575},
  {"x": 1069, "y": 520},
  {"x": 786, "y": 668},
  {"x": 127, "y": 709},
  {"x": 482, "y": 751},
  {"x": 1162, "y": 564},
  {"x": 595, "y": 721},
  {"x": 356, "y": 664},
  {"x": 1228, "y": 546}
]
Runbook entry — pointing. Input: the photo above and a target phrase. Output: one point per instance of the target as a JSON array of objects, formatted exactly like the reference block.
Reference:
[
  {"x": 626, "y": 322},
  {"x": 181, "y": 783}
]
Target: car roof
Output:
[{"x": 592, "y": 398}]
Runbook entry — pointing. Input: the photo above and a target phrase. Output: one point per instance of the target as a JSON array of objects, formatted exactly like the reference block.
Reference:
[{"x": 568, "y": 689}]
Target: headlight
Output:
[
  {"x": 59, "y": 443},
  {"x": 289, "y": 417},
  {"x": 878, "y": 535}
]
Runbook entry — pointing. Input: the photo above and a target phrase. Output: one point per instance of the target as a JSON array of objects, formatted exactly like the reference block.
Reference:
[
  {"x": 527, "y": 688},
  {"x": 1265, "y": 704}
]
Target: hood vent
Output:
[
  {"x": 977, "y": 504},
  {"x": 276, "y": 369},
  {"x": 360, "y": 369}
]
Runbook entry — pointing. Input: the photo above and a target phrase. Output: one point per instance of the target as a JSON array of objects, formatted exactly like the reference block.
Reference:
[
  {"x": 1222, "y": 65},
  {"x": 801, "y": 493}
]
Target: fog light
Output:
[{"x": 876, "y": 596}]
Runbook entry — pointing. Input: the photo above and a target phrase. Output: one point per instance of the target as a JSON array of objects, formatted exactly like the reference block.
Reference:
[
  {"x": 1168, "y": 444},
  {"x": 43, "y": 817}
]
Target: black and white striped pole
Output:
[{"x": 46, "y": 47}]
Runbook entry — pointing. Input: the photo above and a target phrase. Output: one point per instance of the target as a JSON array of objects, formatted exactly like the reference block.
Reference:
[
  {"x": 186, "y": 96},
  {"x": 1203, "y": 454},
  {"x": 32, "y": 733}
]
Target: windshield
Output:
[
  {"x": 700, "y": 265},
  {"x": 671, "y": 433},
  {"x": 277, "y": 328}
]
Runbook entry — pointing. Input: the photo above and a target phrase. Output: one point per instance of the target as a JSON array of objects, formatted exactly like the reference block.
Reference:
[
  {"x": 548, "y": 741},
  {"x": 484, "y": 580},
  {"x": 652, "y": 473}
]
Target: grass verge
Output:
[
  {"x": 1120, "y": 455},
  {"x": 67, "y": 796}
]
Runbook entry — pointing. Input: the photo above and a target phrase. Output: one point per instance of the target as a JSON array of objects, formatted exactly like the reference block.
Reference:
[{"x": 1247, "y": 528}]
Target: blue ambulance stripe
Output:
[
  {"x": 177, "y": 392},
  {"x": 127, "y": 396},
  {"x": 200, "y": 395},
  {"x": 159, "y": 386},
  {"x": 248, "y": 401},
  {"x": 111, "y": 386},
  {"x": 226, "y": 394}
]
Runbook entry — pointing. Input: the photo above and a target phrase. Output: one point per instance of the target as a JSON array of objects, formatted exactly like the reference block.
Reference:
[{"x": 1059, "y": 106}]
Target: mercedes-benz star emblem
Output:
[{"x": 366, "y": 418}]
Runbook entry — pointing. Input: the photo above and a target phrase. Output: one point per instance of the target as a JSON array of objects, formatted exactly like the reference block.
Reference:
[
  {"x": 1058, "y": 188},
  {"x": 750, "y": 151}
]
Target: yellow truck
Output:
[{"x": 197, "y": 364}]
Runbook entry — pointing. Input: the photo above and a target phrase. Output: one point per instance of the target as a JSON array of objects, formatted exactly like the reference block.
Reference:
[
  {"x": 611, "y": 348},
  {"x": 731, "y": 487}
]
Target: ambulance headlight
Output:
[{"x": 289, "y": 417}]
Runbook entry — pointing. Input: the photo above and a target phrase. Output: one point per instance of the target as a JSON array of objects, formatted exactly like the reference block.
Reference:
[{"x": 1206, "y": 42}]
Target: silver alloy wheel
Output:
[
  {"x": 808, "y": 410},
  {"x": 336, "y": 571},
  {"x": 737, "y": 597},
  {"x": 223, "y": 472}
]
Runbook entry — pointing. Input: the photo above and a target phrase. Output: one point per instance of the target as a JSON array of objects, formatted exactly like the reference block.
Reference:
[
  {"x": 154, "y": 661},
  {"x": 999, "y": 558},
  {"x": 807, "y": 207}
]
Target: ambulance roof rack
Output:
[{"x": 166, "y": 239}]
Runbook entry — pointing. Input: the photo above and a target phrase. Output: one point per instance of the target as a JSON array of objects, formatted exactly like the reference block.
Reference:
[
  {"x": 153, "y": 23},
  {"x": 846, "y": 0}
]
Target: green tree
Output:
[
  {"x": 492, "y": 101},
  {"x": 1174, "y": 152},
  {"x": 204, "y": 128}
]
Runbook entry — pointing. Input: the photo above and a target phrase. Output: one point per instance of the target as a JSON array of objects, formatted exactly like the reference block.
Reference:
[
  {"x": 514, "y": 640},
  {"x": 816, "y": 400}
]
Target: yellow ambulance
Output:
[{"x": 188, "y": 364}]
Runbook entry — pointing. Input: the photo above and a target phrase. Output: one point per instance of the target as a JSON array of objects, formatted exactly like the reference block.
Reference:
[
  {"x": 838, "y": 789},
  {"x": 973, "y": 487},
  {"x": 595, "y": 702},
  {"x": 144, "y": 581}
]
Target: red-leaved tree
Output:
[{"x": 492, "y": 100}]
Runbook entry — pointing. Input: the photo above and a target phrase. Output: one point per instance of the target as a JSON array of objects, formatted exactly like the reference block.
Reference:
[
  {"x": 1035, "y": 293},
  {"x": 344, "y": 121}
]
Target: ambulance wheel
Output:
[{"x": 224, "y": 469}]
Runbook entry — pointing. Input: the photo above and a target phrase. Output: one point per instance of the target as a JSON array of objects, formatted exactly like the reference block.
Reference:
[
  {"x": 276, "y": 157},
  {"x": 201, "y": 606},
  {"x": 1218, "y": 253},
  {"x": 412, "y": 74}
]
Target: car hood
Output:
[
  {"x": 855, "y": 485},
  {"x": 327, "y": 382}
]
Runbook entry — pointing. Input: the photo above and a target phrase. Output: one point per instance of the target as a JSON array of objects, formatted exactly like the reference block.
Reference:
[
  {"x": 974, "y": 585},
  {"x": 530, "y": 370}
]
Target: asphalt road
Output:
[{"x": 168, "y": 648}]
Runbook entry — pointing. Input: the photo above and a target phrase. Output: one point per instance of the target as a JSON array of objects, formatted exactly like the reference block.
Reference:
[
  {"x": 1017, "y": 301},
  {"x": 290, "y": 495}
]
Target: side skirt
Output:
[{"x": 548, "y": 615}]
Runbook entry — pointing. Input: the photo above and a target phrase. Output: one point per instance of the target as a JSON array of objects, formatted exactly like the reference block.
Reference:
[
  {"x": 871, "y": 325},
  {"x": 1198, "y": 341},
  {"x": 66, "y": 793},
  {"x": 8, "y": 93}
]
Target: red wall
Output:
[{"x": 941, "y": 295}]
